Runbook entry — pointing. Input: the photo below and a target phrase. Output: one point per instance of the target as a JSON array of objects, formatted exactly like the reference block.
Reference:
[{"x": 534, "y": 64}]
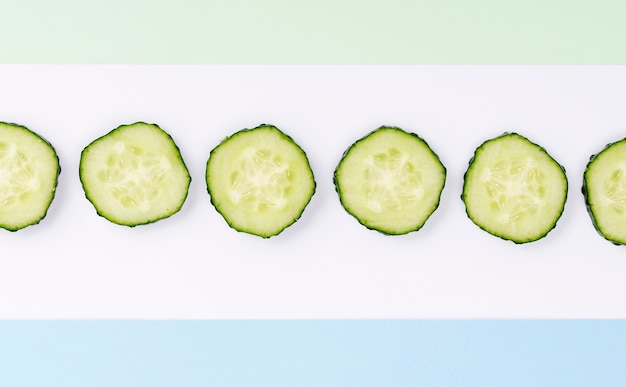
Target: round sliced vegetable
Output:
[
  {"x": 514, "y": 189},
  {"x": 134, "y": 175},
  {"x": 390, "y": 181},
  {"x": 604, "y": 190},
  {"x": 29, "y": 170},
  {"x": 259, "y": 180}
]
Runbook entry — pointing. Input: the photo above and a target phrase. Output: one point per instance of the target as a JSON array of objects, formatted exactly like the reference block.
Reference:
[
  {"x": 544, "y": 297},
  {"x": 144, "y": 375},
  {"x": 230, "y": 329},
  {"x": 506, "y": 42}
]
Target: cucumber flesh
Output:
[
  {"x": 259, "y": 180},
  {"x": 29, "y": 170},
  {"x": 514, "y": 189},
  {"x": 134, "y": 175},
  {"x": 390, "y": 181},
  {"x": 604, "y": 190}
]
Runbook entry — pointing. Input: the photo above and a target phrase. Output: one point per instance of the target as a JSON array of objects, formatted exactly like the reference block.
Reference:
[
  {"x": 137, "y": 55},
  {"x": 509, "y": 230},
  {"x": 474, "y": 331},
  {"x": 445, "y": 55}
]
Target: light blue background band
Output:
[{"x": 312, "y": 353}]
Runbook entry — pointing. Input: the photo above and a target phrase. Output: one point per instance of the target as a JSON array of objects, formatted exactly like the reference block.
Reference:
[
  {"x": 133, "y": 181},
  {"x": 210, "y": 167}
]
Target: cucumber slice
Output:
[
  {"x": 134, "y": 175},
  {"x": 390, "y": 181},
  {"x": 514, "y": 189},
  {"x": 29, "y": 170},
  {"x": 604, "y": 190},
  {"x": 259, "y": 180}
]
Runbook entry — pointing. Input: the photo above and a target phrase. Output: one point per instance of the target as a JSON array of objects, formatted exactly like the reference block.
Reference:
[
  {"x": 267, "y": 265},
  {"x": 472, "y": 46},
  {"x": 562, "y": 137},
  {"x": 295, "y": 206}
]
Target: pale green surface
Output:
[{"x": 322, "y": 31}]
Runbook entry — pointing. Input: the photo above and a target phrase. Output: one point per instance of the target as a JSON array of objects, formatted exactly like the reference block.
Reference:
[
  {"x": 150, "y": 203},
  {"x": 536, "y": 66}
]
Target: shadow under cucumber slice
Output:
[
  {"x": 514, "y": 189},
  {"x": 29, "y": 170},
  {"x": 259, "y": 180},
  {"x": 604, "y": 190},
  {"x": 390, "y": 181},
  {"x": 134, "y": 175}
]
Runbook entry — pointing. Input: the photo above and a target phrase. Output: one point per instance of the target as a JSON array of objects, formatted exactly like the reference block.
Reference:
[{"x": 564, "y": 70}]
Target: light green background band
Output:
[{"x": 313, "y": 32}]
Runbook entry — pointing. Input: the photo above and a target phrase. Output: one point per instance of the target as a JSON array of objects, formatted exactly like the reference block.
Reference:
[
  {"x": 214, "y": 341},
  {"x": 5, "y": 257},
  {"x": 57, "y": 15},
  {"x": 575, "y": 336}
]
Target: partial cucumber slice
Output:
[
  {"x": 390, "y": 181},
  {"x": 29, "y": 170},
  {"x": 259, "y": 180},
  {"x": 604, "y": 190},
  {"x": 134, "y": 175},
  {"x": 514, "y": 189}
]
